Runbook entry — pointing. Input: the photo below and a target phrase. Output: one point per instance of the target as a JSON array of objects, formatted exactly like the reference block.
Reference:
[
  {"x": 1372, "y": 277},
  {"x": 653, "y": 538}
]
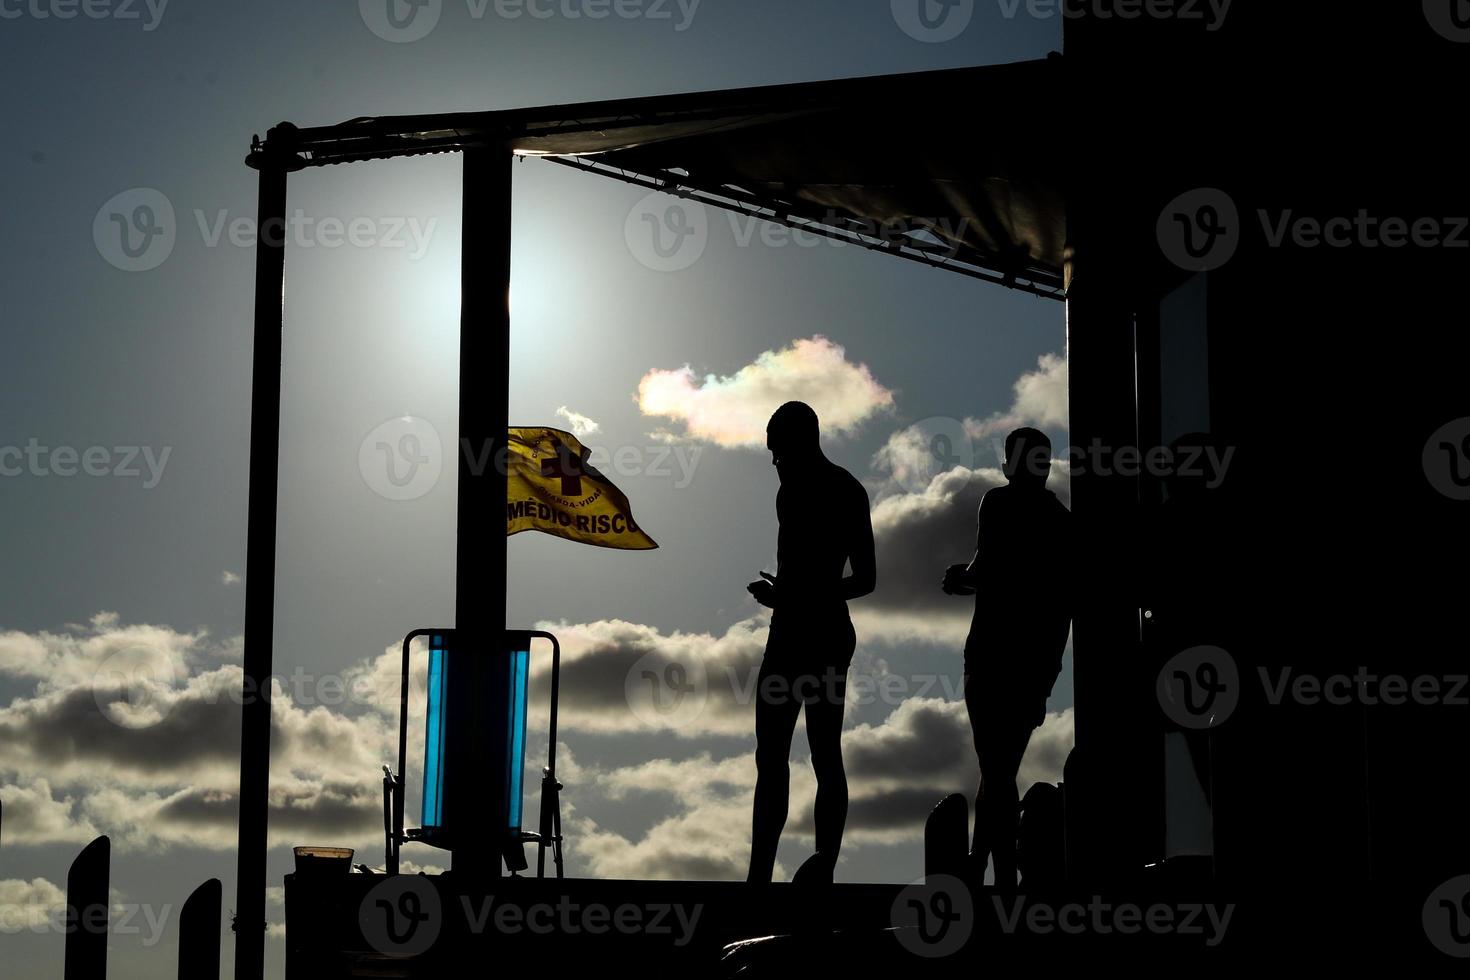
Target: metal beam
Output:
[{"x": 260, "y": 556}]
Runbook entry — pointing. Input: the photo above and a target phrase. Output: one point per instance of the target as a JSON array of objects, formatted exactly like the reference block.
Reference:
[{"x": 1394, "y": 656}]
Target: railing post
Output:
[
  {"x": 199, "y": 932},
  {"x": 87, "y": 912}
]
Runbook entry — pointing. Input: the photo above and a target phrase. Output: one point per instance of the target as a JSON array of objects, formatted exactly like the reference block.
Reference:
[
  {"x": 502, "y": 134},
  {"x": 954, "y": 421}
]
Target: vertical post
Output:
[
  {"x": 1108, "y": 787},
  {"x": 199, "y": 923},
  {"x": 260, "y": 555},
  {"x": 87, "y": 912},
  {"x": 475, "y": 776}
]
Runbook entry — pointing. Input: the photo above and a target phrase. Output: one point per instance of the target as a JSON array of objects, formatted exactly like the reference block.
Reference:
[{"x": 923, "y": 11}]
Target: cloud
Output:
[
  {"x": 897, "y": 770},
  {"x": 626, "y": 677},
  {"x": 133, "y": 731},
  {"x": 581, "y": 425},
  {"x": 29, "y": 906},
  {"x": 732, "y": 411},
  {"x": 916, "y": 536},
  {"x": 1040, "y": 400}
]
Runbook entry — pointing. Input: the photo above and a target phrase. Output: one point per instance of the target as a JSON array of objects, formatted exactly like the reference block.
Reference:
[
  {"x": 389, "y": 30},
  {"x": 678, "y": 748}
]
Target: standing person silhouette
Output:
[
  {"x": 1014, "y": 651},
  {"x": 824, "y": 523}
]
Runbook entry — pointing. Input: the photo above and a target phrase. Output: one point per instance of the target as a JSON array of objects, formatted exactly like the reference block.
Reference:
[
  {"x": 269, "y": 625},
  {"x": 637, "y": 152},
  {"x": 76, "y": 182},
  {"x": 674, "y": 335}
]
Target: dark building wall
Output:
[{"x": 1329, "y": 368}]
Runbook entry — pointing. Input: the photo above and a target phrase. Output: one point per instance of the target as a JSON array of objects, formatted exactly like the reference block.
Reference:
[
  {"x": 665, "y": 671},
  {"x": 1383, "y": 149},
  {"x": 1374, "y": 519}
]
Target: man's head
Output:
[
  {"x": 1028, "y": 457},
  {"x": 792, "y": 436}
]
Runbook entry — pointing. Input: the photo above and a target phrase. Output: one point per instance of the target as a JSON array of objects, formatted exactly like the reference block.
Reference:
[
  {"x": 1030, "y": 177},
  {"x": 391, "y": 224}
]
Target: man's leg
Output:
[
  {"x": 824, "y": 735},
  {"x": 1001, "y": 764},
  {"x": 776, "y": 707},
  {"x": 980, "y": 846}
]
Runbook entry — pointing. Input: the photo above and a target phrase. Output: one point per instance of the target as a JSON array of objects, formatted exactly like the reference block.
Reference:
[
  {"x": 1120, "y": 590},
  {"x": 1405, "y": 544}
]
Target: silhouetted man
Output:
[
  {"x": 1014, "y": 652},
  {"x": 824, "y": 524}
]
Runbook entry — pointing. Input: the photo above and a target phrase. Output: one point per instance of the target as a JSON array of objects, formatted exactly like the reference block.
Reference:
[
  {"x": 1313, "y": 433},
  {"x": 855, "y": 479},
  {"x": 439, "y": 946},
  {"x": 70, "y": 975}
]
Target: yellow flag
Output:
[{"x": 552, "y": 489}]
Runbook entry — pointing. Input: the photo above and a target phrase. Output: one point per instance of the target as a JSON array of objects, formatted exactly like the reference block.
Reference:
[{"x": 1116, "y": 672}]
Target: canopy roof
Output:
[{"x": 959, "y": 169}]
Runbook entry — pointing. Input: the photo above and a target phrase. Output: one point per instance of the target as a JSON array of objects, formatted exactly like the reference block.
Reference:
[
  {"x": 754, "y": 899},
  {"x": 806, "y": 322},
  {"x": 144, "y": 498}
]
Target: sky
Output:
[{"x": 124, "y": 437}]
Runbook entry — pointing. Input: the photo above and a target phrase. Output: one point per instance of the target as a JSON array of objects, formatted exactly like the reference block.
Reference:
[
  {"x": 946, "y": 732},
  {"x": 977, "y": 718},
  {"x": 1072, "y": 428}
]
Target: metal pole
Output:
[
  {"x": 475, "y": 773},
  {"x": 260, "y": 555}
]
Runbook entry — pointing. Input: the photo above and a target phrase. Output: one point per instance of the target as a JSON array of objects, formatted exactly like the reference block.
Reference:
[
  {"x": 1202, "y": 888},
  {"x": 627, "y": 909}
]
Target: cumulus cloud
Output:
[
  {"x": 29, "y": 906},
  {"x": 1040, "y": 399},
  {"x": 627, "y": 677},
  {"x": 732, "y": 411},
  {"x": 581, "y": 425},
  {"x": 897, "y": 770},
  {"x": 916, "y": 535},
  {"x": 133, "y": 731}
]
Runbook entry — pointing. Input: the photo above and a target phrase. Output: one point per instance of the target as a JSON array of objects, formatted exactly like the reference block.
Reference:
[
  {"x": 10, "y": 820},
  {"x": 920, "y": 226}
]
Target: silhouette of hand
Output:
[
  {"x": 764, "y": 590},
  {"x": 956, "y": 581}
]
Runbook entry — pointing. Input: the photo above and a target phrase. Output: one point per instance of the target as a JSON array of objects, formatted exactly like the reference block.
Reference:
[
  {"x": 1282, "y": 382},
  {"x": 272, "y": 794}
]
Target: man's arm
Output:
[
  {"x": 964, "y": 579},
  {"x": 860, "y": 551}
]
